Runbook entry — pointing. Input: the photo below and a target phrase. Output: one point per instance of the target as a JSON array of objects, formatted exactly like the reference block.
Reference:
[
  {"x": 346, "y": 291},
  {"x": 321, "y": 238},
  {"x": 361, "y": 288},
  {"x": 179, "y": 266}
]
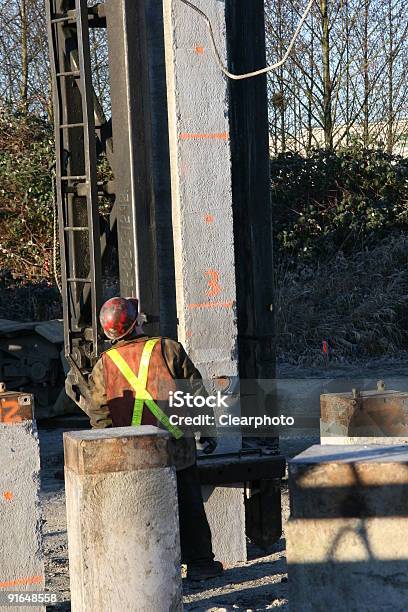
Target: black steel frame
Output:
[
  {"x": 82, "y": 132},
  {"x": 76, "y": 176}
]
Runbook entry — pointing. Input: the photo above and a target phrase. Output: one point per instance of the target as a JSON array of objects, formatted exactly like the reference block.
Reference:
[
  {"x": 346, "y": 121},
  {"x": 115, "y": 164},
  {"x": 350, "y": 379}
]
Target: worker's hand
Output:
[{"x": 208, "y": 444}]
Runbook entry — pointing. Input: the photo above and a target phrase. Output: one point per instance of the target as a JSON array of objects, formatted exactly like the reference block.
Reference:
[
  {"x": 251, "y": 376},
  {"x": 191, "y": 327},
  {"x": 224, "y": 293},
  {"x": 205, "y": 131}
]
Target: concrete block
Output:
[
  {"x": 201, "y": 188},
  {"x": 347, "y": 548},
  {"x": 203, "y": 232},
  {"x": 225, "y": 511},
  {"x": 364, "y": 440},
  {"x": 347, "y": 565},
  {"x": 122, "y": 514},
  {"x": 364, "y": 417},
  {"x": 21, "y": 559}
]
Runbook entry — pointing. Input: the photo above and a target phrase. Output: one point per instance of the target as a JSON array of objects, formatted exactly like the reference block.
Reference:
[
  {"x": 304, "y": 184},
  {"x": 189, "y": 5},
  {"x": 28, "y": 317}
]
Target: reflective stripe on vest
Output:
[{"x": 139, "y": 385}]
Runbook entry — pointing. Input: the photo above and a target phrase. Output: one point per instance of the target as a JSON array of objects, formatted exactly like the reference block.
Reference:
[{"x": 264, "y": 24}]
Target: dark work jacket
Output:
[{"x": 113, "y": 397}]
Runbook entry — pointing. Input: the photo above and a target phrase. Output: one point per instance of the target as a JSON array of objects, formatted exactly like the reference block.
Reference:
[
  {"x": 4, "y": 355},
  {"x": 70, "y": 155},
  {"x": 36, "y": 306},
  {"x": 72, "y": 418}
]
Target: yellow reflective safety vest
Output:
[{"x": 138, "y": 383}]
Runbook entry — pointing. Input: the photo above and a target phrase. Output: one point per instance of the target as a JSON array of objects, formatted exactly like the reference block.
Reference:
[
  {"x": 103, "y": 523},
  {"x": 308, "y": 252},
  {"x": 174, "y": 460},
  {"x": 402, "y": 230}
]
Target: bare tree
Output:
[{"x": 346, "y": 79}]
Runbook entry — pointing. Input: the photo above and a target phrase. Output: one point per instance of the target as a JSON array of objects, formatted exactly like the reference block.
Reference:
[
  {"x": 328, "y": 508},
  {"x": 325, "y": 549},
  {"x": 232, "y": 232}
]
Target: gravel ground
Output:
[
  {"x": 259, "y": 584},
  {"x": 54, "y": 519}
]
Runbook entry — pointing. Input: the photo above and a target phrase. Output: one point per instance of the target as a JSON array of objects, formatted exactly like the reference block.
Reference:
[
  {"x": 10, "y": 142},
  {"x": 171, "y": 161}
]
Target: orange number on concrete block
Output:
[
  {"x": 213, "y": 285},
  {"x": 9, "y": 411}
]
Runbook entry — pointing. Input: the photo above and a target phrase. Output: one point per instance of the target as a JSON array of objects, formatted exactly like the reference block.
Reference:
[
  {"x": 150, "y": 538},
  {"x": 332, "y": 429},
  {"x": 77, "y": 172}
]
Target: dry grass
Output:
[{"x": 359, "y": 304}]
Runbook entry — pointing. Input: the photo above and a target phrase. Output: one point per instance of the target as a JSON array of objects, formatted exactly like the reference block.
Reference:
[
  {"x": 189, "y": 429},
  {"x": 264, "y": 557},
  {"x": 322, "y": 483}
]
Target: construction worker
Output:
[{"x": 152, "y": 365}]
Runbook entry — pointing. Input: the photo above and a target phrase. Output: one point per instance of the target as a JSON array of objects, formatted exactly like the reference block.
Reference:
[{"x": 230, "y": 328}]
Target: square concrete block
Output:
[
  {"x": 21, "y": 557},
  {"x": 347, "y": 565},
  {"x": 347, "y": 543},
  {"x": 364, "y": 417}
]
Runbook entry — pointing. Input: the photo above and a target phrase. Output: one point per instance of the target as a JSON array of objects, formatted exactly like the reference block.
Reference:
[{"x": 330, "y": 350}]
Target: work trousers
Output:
[{"x": 195, "y": 533}]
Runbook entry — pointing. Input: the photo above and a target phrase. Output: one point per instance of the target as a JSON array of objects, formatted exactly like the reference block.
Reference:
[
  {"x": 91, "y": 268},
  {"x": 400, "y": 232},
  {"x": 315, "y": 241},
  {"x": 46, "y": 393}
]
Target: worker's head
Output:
[{"x": 118, "y": 317}]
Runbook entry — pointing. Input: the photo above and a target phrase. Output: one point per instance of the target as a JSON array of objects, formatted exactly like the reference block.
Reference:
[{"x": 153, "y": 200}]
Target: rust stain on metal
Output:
[
  {"x": 116, "y": 454},
  {"x": 368, "y": 413},
  {"x": 15, "y": 407}
]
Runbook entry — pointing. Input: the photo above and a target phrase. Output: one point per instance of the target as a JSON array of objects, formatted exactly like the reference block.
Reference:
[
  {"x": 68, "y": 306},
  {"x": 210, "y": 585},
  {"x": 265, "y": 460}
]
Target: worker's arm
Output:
[
  {"x": 98, "y": 412},
  {"x": 182, "y": 368}
]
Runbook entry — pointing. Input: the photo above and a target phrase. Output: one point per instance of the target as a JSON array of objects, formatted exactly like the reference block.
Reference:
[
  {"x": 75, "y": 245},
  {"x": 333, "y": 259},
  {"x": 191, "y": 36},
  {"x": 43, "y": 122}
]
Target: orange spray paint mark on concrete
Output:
[
  {"x": 10, "y": 411},
  {"x": 209, "y": 219},
  {"x": 213, "y": 284},
  {"x": 211, "y": 305},
  {"x": 189, "y": 333},
  {"x": 199, "y": 50},
  {"x": 8, "y": 495},
  {"x": 21, "y": 581},
  {"x": 213, "y": 136}
]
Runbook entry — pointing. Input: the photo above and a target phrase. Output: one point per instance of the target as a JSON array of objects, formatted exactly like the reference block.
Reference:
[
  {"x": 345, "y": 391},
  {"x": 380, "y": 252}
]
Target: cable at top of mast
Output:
[{"x": 248, "y": 75}]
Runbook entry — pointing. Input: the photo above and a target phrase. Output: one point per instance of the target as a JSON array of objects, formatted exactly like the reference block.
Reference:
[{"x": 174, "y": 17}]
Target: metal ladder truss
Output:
[{"x": 76, "y": 136}]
